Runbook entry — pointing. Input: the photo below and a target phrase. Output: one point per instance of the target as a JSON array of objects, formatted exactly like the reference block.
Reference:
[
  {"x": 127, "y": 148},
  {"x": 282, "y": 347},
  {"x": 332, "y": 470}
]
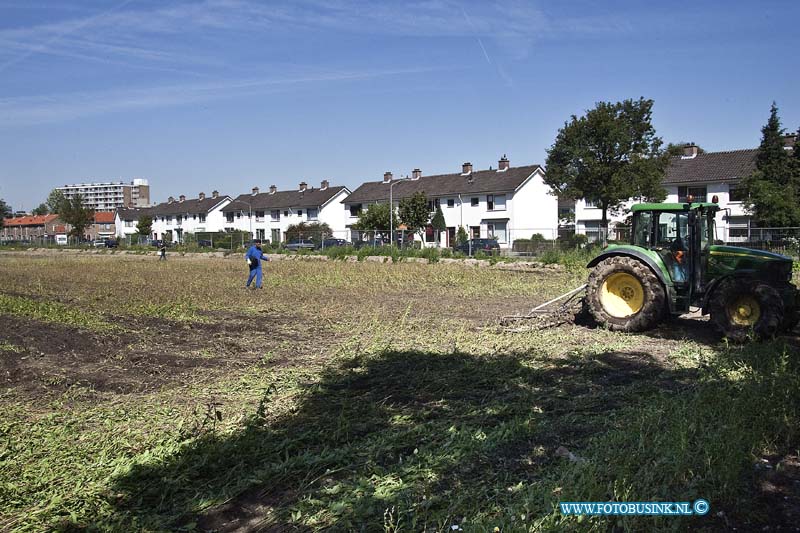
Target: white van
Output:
[{"x": 61, "y": 240}]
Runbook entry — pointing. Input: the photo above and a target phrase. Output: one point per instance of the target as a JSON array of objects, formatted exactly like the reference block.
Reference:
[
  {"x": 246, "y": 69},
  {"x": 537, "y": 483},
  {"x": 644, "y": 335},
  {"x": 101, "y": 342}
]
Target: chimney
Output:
[
  {"x": 214, "y": 194},
  {"x": 182, "y": 198},
  {"x": 202, "y": 196},
  {"x": 303, "y": 186},
  {"x": 255, "y": 191},
  {"x": 416, "y": 174},
  {"x": 387, "y": 177},
  {"x": 504, "y": 164},
  {"x": 789, "y": 140},
  {"x": 466, "y": 168},
  {"x": 170, "y": 200},
  {"x": 690, "y": 151},
  {"x": 273, "y": 189},
  {"x": 324, "y": 185}
]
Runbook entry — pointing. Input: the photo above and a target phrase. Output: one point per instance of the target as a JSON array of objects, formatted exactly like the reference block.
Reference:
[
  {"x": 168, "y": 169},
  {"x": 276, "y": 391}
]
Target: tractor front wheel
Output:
[
  {"x": 742, "y": 309},
  {"x": 624, "y": 295}
]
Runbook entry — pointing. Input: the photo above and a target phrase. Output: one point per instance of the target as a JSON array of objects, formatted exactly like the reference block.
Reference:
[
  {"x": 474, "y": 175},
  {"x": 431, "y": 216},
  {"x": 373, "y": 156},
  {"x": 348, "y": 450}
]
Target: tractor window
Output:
[
  {"x": 642, "y": 225},
  {"x": 672, "y": 230}
]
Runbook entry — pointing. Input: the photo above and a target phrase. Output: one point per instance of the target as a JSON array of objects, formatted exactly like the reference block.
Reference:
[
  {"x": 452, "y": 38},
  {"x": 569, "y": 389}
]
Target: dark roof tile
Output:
[
  {"x": 311, "y": 197},
  {"x": 711, "y": 167},
  {"x": 480, "y": 181}
]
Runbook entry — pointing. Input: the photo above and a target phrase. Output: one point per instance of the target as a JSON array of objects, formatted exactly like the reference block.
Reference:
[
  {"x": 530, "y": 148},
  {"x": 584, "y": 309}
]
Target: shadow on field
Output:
[{"x": 418, "y": 436}]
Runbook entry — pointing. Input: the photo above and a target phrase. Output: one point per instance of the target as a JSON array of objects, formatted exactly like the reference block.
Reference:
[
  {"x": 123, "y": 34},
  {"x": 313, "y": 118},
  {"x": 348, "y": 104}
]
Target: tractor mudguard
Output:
[{"x": 647, "y": 260}]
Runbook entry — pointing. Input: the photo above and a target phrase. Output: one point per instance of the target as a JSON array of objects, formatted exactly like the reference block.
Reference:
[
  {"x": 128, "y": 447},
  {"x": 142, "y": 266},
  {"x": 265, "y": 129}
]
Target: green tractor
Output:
[{"x": 672, "y": 264}]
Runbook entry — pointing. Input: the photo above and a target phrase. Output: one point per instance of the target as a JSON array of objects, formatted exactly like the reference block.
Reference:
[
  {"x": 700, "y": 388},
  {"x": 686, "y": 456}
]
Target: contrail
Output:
[
  {"x": 61, "y": 35},
  {"x": 485, "y": 54}
]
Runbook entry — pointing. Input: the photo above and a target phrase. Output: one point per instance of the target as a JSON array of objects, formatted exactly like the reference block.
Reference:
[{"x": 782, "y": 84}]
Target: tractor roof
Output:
[{"x": 670, "y": 207}]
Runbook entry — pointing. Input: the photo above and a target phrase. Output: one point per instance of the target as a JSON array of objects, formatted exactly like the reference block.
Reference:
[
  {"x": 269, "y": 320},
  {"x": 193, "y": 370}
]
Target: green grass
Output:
[
  {"x": 380, "y": 398},
  {"x": 49, "y": 311}
]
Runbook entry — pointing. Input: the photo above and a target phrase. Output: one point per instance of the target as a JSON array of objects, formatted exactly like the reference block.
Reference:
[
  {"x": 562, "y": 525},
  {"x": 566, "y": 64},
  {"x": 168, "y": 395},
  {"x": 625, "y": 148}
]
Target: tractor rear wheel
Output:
[
  {"x": 624, "y": 295},
  {"x": 743, "y": 308}
]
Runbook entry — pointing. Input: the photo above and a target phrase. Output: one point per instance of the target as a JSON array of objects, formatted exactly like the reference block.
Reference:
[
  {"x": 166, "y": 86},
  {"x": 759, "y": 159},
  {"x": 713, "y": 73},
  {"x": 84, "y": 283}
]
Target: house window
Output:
[
  {"x": 355, "y": 210},
  {"x": 276, "y": 236},
  {"x": 238, "y": 214},
  {"x": 286, "y": 213},
  {"x": 451, "y": 202},
  {"x": 229, "y": 217},
  {"x": 260, "y": 233},
  {"x": 737, "y": 194},
  {"x": 299, "y": 212},
  {"x": 169, "y": 221},
  {"x": 500, "y": 202},
  {"x": 496, "y": 230},
  {"x": 129, "y": 223},
  {"x": 194, "y": 217},
  {"x": 699, "y": 194},
  {"x": 474, "y": 202},
  {"x": 474, "y": 232},
  {"x": 490, "y": 202},
  {"x": 313, "y": 214},
  {"x": 589, "y": 204},
  {"x": 259, "y": 216},
  {"x": 203, "y": 218},
  {"x": 178, "y": 219},
  {"x": 275, "y": 215}
]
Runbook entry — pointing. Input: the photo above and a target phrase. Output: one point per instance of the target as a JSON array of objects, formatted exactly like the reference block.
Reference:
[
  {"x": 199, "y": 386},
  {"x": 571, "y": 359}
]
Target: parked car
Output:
[
  {"x": 112, "y": 243},
  {"x": 299, "y": 244},
  {"x": 98, "y": 243},
  {"x": 488, "y": 246},
  {"x": 205, "y": 243},
  {"x": 330, "y": 243}
]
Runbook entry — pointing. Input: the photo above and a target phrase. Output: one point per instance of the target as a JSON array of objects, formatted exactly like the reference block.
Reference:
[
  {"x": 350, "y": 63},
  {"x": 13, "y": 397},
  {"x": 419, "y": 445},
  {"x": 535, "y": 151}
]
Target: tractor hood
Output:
[
  {"x": 756, "y": 255},
  {"x": 770, "y": 266}
]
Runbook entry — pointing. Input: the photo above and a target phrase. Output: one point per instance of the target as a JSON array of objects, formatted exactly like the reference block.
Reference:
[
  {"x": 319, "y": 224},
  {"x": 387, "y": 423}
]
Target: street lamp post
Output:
[{"x": 391, "y": 209}]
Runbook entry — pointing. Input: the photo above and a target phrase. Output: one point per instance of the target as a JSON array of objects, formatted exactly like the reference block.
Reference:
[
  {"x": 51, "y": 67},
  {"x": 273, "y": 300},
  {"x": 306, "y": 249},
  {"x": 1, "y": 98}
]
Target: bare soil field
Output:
[{"x": 147, "y": 396}]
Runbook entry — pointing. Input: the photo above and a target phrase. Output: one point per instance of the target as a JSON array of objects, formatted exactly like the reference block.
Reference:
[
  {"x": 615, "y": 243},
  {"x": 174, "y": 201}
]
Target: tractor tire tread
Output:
[{"x": 653, "y": 308}]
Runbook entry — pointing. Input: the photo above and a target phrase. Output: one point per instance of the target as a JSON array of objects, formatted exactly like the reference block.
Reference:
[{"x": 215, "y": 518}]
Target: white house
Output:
[
  {"x": 268, "y": 215},
  {"x": 175, "y": 218},
  {"x": 508, "y": 203}
]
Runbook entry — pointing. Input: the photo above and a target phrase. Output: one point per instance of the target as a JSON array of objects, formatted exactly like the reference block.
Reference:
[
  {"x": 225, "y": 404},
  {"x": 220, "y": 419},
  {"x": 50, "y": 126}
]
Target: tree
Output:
[
  {"x": 74, "y": 213},
  {"x": 41, "y": 210},
  {"x": 5, "y": 212},
  {"x": 414, "y": 212},
  {"x": 438, "y": 224},
  {"x": 461, "y": 236},
  {"x": 145, "y": 225},
  {"x": 376, "y": 217},
  {"x": 316, "y": 231},
  {"x": 56, "y": 201},
  {"x": 608, "y": 156},
  {"x": 773, "y": 189}
]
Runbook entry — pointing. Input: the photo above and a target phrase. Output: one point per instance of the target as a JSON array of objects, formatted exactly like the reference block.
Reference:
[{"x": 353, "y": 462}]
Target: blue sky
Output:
[{"x": 229, "y": 94}]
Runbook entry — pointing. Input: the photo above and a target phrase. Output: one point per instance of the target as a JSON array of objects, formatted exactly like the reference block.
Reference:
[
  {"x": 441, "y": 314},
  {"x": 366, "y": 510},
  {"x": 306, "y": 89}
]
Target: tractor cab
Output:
[{"x": 680, "y": 235}]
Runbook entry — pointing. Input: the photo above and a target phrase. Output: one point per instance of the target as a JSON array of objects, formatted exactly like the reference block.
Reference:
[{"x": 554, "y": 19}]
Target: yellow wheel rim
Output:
[
  {"x": 744, "y": 311},
  {"x": 622, "y": 295}
]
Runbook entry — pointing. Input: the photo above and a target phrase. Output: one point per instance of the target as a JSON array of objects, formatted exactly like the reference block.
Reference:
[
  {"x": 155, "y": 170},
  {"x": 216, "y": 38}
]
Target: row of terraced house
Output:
[{"x": 505, "y": 203}]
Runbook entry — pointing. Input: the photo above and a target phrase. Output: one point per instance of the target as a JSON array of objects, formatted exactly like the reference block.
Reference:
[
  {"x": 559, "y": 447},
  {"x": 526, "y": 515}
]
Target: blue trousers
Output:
[{"x": 257, "y": 274}]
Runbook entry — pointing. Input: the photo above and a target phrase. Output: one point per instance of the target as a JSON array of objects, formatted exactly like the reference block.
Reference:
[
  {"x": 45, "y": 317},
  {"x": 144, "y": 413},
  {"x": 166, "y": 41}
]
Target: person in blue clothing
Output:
[{"x": 254, "y": 256}]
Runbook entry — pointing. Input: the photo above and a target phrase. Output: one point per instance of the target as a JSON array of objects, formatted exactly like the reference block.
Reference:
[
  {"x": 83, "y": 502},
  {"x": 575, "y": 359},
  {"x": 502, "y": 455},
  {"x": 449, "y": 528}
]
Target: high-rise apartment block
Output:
[{"x": 108, "y": 196}]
